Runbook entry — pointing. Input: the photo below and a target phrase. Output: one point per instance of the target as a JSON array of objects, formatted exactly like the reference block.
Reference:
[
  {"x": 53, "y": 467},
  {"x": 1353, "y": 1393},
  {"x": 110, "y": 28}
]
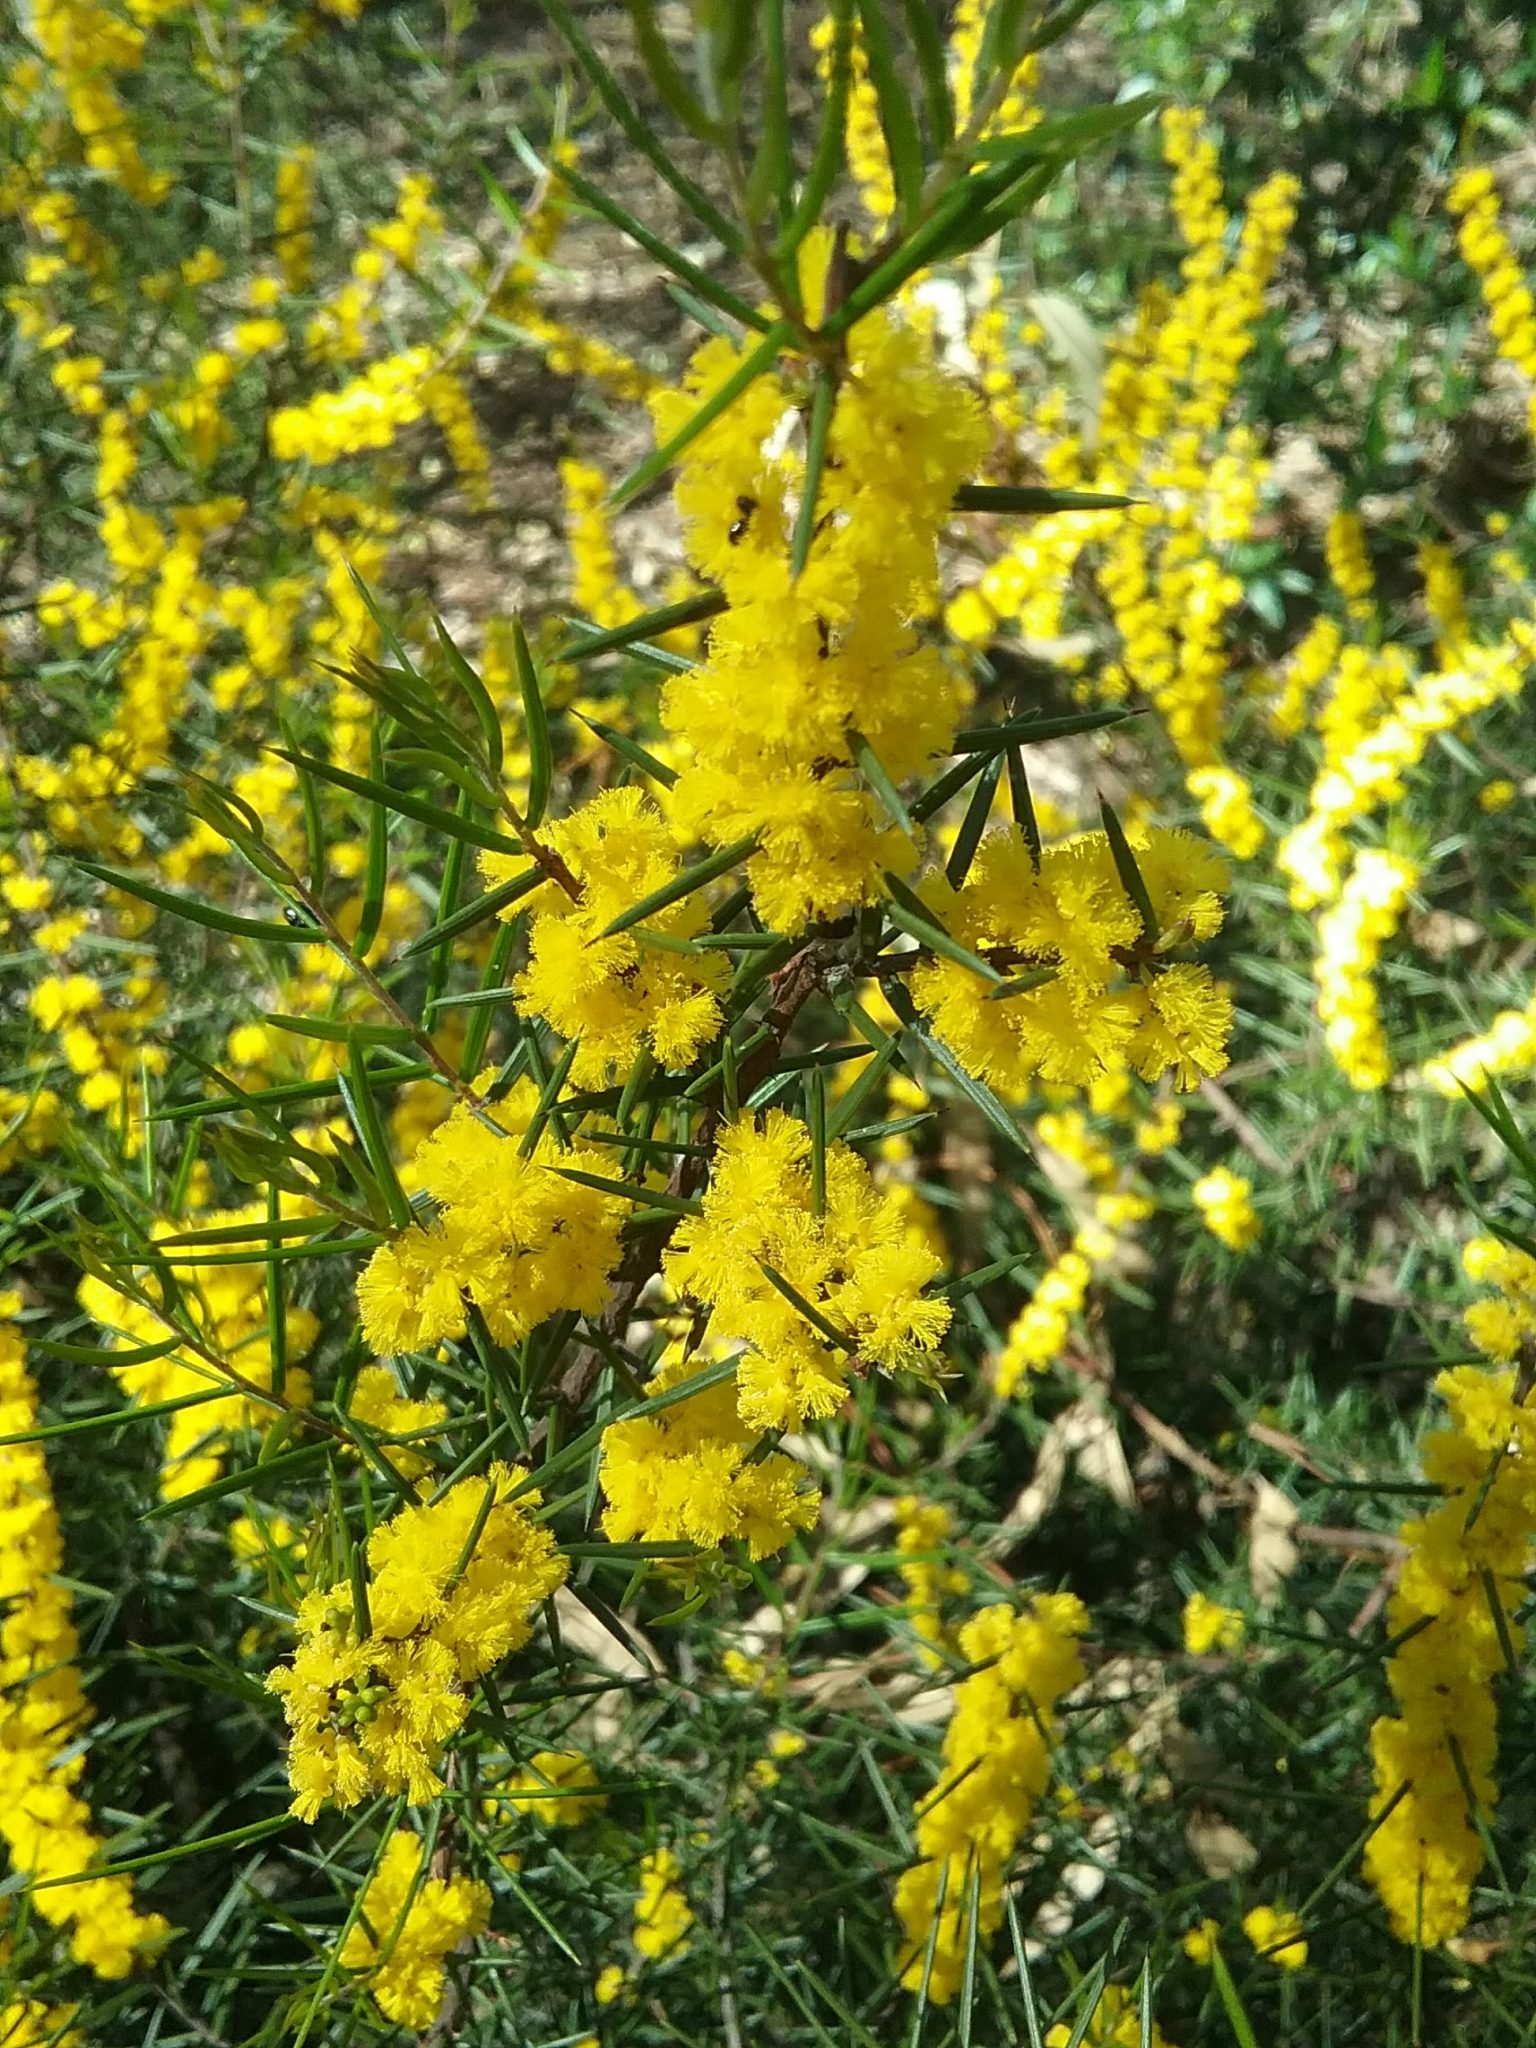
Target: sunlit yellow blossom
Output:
[
  {"x": 1209, "y": 1626},
  {"x": 1224, "y": 1200},
  {"x": 663, "y": 1915},
  {"x": 1276, "y": 1936},
  {"x": 692, "y": 1473},
  {"x": 408, "y": 1926},
  {"x": 616, "y": 996},
  {"x": 373, "y": 1693},
  {"x": 996, "y": 1766},
  {"x": 1106, "y": 996},
  {"x": 848, "y": 1258}
]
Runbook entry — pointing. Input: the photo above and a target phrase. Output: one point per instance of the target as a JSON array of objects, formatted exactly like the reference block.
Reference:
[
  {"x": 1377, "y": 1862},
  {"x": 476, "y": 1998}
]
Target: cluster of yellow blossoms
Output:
[
  {"x": 378, "y": 1678},
  {"x": 373, "y": 410},
  {"x": 1225, "y": 1203},
  {"x": 817, "y": 1282},
  {"x": 1159, "y": 435},
  {"x": 1351, "y": 934},
  {"x": 692, "y": 1472},
  {"x": 1041, "y": 1331},
  {"x": 806, "y": 672},
  {"x": 1209, "y": 1626},
  {"x": 663, "y": 1915},
  {"x": 407, "y": 1925},
  {"x": 924, "y": 1526},
  {"x": 556, "y": 1788},
  {"x": 85, "y": 47},
  {"x": 997, "y": 1763},
  {"x": 1095, "y": 992},
  {"x": 45, "y": 1825},
  {"x": 1486, "y": 248},
  {"x": 510, "y": 1237},
  {"x": 229, "y": 1303},
  {"x": 1453, "y": 1616},
  {"x": 632, "y": 991}
]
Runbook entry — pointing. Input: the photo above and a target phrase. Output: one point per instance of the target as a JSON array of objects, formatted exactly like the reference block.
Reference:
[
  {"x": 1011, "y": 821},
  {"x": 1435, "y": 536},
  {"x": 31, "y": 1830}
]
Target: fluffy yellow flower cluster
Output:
[
  {"x": 1351, "y": 934},
  {"x": 818, "y": 1282},
  {"x": 1508, "y": 1046},
  {"x": 85, "y": 47},
  {"x": 101, "y": 1038},
  {"x": 1486, "y": 250},
  {"x": 996, "y": 1765},
  {"x": 511, "y": 1237},
  {"x": 692, "y": 1473},
  {"x": 663, "y": 1915},
  {"x": 556, "y": 1788},
  {"x": 371, "y": 412},
  {"x": 407, "y": 1925},
  {"x": 377, "y": 1403},
  {"x": 1275, "y": 1933},
  {"x": 927, "y": 1527},
  {"x": 1349, "y": 563},
  {"x": 1377, "y": 743},
  {"x": 869, "y": 160},
  {"x": 1096, "y": 991},
  {"x": 1039, "y": 1333},
  {"x": 1225, "y": 1202},
  {"x": 805, "y": 672},
  {"x": 1014, "y": 113},
  {"x": 1454, "y": 1617},
  {"x": 1308, "y": 666},
  {"x": 294, "y": 193},
  {"x": 28, "y": 2023},
  {"x": 377, "y": 1685},
  {"x": 1209, "y": 1626},
  {"x": 633, "y": 991},
  {"x": 597, "y": 589},
  {"x": 1160, "y": 437},
  {"x": 229, "y": 1303},
  {"x": 339, "y": 330},
  {"x": 44, "y": 1823}
]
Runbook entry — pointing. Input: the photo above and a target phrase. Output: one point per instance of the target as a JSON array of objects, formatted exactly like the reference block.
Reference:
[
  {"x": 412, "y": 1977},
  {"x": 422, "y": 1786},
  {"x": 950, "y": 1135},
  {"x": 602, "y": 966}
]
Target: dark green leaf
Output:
[
  {"x": 640, "y": 132},
  {"x": 827, "y": 158},
  {"x": 976, "y": 1092},
  {"x": 541, "y": 759},
  {"x": 933, "y": 67},
  {"x": 653, "y": 1198},
  {"x": 195, "y": 911},
  {"x": 470, "y": 915},
  {"x": 1068, "y": 135},
  {"x": 631, "y": 751},
  {"x": 1131, "y": 878},
  {"x": 376, "y": 862},
  {"x": 471, "y": 683},
  {"x": 974, "y": 823},
  {"x": 436, "y": 815},
  {"x": 823, "y": 397},
  {"x": 986, "y": 739},
  {"x": 898, "y": 120},
  {"x": 769, "y": 188},
  {"x": 874, "y": 774},
  {"x": 908, "y": 910},
  {"x": 700, "y": 281},
  {"x": 1034, "y": 498},
  {"x": 688, "y": 611}
]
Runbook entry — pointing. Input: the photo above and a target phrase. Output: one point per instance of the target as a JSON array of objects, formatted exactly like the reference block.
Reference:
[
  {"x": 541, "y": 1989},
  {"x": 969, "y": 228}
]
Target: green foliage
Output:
[{"x": 1242, "y": 1425}]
